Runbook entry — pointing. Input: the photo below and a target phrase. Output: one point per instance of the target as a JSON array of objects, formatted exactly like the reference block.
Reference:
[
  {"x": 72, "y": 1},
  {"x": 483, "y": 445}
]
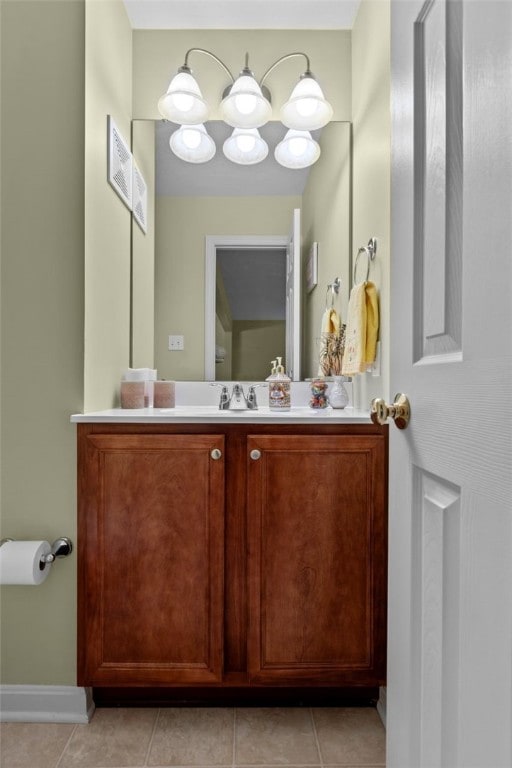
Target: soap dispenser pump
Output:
[{"x": 279, "y": 389}]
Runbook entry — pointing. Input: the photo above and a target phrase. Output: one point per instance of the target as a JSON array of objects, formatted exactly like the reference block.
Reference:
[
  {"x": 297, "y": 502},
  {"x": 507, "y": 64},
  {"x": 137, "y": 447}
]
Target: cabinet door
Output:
[
  {"x": 317, "y": 560},
  {"x": 151, "y": 560}
]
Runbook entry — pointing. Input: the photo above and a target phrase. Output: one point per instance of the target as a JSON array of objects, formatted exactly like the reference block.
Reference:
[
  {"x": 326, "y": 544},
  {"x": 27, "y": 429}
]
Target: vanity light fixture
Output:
[
  {"x": 297, "y": 150},
  {"x": 246, "y": 104},
  {"x": 193, "y": 144},
  {"x": 245, "y": 147}
]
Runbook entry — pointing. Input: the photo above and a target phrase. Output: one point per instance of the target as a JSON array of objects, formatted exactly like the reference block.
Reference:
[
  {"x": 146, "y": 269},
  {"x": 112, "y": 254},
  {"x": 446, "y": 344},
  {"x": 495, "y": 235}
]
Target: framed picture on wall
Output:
[
  {"x": 119, "y": 158},
  {"x": 312, "y": 268}
]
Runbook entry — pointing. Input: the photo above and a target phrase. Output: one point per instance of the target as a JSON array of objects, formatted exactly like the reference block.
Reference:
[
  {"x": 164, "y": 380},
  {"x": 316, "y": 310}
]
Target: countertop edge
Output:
[{"x": 173, "y": 416}]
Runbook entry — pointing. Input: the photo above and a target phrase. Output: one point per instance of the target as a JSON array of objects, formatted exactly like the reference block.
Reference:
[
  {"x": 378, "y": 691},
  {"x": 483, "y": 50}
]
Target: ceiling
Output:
[
  {"x": 220, "y": 176},
  {"x": 242, "y": 14}
]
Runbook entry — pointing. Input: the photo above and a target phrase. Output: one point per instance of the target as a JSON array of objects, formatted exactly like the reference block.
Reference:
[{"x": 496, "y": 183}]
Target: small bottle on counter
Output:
[
  {"x": 279, "y": 389},
  {"x": 318, "y": 394}
]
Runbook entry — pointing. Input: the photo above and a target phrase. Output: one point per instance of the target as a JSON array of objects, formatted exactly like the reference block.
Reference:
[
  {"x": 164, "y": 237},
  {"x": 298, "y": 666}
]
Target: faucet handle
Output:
[
  {"x": 224, "y": 395},
  {"x": 252, "y": 402}
]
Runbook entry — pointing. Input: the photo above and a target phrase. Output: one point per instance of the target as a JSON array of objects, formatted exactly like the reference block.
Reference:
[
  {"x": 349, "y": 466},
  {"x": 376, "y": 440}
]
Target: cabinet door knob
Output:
[
  {"x": 255, "y": 454},
  {"x": 216, "y": 454}
]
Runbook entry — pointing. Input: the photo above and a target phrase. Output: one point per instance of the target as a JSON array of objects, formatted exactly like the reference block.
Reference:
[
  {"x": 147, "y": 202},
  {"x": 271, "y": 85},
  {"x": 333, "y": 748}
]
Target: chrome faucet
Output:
[{"x": 238, "y": 401}]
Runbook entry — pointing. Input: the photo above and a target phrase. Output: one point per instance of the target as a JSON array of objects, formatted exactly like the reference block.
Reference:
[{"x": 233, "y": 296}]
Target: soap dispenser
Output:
[{"x": 279, "y": 389}]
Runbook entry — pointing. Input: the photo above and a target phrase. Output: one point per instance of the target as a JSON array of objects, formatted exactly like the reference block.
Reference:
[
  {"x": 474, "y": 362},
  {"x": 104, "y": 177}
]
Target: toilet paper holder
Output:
[{"x": 61, "y": 547}]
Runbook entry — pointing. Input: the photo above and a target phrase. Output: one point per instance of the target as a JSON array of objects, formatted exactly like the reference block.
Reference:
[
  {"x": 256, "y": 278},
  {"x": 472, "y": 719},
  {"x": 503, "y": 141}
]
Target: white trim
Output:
[
  {"x": 45, "y": 704},
  {"x": 212, "y": 242}
]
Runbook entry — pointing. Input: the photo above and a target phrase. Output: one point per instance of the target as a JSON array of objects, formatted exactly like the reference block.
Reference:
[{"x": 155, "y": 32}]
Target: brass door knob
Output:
[{"x": 400, "y": 411}]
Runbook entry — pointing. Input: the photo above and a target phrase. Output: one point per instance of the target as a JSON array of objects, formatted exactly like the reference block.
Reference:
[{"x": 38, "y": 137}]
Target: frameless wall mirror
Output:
[{"x": 247, "y": 213}]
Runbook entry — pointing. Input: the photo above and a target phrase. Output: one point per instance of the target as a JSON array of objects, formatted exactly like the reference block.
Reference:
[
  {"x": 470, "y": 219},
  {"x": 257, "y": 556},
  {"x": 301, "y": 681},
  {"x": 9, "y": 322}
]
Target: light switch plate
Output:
[{"x": 176, "y": 343}]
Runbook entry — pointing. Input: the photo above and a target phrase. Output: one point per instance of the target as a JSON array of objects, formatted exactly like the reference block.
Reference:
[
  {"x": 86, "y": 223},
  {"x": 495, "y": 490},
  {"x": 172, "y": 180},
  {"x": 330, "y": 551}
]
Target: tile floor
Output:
[{"x": 228, "y": 737}]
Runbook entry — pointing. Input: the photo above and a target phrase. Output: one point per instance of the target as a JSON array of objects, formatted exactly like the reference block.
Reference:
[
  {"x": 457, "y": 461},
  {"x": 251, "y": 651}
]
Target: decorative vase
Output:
[{"x": 338, "y": 395}]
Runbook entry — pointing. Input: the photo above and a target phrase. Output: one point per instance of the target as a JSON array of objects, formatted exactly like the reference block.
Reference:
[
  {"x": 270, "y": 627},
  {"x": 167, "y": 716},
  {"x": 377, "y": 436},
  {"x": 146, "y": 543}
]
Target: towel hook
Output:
[
  {"x": 334, "y": 287},
  {"x": 370, "y": 250}
]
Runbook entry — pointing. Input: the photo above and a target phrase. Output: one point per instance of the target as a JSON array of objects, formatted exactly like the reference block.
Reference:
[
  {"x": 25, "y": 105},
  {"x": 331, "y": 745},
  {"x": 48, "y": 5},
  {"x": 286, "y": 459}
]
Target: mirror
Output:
[{"x": 187, "y": 204}]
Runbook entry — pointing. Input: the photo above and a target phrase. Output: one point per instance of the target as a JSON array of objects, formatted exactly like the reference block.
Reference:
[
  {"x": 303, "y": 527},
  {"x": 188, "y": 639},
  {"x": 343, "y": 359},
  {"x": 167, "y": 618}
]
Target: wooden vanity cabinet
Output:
[
  {"x": 151, "y": 539},
  {"x": 232, "y": 572},
  {"x": 316, "y": 542}
]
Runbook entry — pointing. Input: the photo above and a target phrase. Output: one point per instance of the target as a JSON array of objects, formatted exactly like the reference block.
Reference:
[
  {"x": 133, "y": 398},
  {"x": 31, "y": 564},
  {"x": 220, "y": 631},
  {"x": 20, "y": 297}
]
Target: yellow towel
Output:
[{"x": 362, "y": 329}]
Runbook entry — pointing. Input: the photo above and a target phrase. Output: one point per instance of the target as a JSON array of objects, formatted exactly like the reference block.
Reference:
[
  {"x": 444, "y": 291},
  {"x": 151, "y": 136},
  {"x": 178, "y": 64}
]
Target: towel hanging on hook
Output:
[{"x": 332, "y": 336}]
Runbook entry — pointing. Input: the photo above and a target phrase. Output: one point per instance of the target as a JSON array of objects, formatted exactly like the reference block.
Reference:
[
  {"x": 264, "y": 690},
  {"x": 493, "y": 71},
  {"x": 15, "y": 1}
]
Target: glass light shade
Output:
[
  {"x": 245, "y": 106},
  {"x": 193, "y": 144},
  {"x": 183, "y": 103},
  {"x": 245, "y": 147},
  {"x": 306, "y": 109},
  {"x": 297, "y": 150}
]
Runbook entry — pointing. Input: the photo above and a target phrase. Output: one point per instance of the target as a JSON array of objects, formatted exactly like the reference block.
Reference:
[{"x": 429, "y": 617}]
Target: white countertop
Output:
[{"x": 210, "y": 414}]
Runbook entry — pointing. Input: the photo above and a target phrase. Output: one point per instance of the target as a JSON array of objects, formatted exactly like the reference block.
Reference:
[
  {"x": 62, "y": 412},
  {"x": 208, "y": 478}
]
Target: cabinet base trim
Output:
[
  {"x": 45, "y": 704},
  {"x": 236, "y": 696}
]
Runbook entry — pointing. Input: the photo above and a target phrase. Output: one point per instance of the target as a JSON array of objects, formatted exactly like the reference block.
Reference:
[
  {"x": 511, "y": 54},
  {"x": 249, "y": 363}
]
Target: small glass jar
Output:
[
  {"x": 164, "y": 394},
  {"x": 338, "y": 395},
  {"x": 132, "y": 394},
  {"x": 318, "y": 394}
]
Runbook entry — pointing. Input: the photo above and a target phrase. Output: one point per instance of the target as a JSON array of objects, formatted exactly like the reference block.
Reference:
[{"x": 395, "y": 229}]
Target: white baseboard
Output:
[
  {"x": 45, "y": 704},
  {"x": 381, "y": 704}
]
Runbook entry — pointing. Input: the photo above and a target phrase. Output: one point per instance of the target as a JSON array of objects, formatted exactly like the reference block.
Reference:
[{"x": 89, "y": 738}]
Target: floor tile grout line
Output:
[
  {"x": 320, "y": 755},
  {"x": 66, "y": 745},
  {"x": 150, "y": 745}
]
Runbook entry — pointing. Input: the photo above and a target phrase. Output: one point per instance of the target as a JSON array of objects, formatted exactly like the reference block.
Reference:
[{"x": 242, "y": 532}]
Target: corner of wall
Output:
[
  {"x": 371, "y": 115},
  {"x": 108, "y": 91}
]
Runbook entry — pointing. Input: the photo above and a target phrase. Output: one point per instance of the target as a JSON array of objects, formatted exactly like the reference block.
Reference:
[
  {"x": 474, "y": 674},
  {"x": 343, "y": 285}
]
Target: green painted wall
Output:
[
  {"x": 371, "y": 109},
  {"x": 108, "y": 91},
  {"x": 42, "y": 299},
  {"x": 326, "y": 220}
]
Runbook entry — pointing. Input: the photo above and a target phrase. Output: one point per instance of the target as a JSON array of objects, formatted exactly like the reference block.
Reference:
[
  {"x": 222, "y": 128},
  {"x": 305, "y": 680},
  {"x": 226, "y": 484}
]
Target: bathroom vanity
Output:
[{"x": 232, "y": 552}]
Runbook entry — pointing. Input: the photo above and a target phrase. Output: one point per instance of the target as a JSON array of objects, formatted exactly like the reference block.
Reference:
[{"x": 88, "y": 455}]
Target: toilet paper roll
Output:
[{"x": 20, "y": 562}]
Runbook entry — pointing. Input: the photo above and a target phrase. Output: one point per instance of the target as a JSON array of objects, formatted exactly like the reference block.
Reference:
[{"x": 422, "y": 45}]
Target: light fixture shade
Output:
[
  {"x": 245, "y": 106},
  {"x": 183, "y": 103},
  {"x": 245, "y": 147},
  {"x": 193, "y": 144},
  {"x": 297, "y": 150},
  {"x": 306, "y": 109}
]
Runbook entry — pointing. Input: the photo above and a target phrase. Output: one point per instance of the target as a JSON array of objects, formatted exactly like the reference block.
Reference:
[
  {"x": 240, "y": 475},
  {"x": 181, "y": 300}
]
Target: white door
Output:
[
  {"x": 293, "y": 303},
  {"x": 450, "y": 557}
]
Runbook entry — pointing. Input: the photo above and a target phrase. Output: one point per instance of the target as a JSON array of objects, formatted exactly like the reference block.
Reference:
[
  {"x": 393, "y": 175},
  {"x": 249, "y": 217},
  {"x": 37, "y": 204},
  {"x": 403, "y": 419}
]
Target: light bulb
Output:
[
  {"x": 245, "y": 143},
  {"x": 183, "y": 102},
  {"x": 298, "y": 146},
  {"x": 191, "y": 138},
  {"x": 306, "y": 107},
  {"x": 245, "y": 103}
]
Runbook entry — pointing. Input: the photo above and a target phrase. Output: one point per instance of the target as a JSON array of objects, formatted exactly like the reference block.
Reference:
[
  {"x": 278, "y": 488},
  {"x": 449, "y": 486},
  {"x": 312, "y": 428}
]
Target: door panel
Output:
[
  {"x": 293, "y": 300},
  {"x": 316, "y": 531},
  {"x": 154, "y": 562},
  {"x": 450, "y": 554}
]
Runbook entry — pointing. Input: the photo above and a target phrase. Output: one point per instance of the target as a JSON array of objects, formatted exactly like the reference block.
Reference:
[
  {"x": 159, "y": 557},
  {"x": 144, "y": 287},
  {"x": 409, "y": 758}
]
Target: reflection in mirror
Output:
[
  {"x": 196, "y": 202},
  {"x": 250, "y": 312}
]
